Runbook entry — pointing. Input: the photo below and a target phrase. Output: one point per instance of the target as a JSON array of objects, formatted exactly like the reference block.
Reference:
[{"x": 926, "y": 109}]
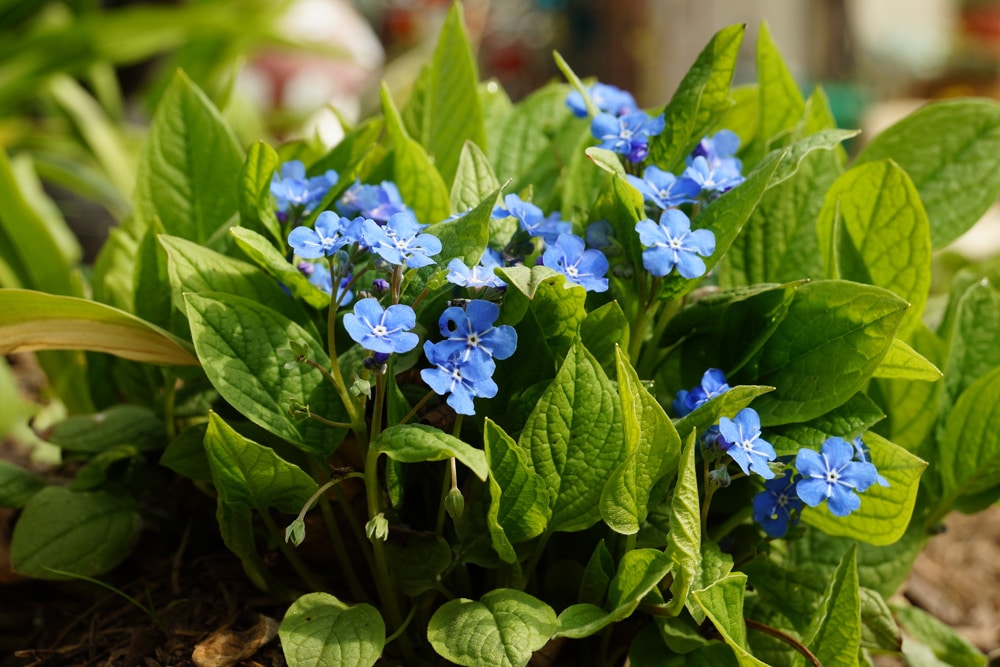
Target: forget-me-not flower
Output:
[
  {"x": 329, "y": 236},
  {"x": 663, "y": 189},
  {"x": 713, "y": 383},
  {"x": 862, "y": 455},
  {"x": 714, "y": 179},
  {"x": 531, "y": 218},
  {"x": 462, "y": 381},
  {"x": 606, "y": 97},
  {"x": 582, "y": 267},
  {"x": 380, "y": 329},
  {"x": 470, "y": 334},
  {"x": 291, "y": 188},
  {"x": 376, "y": 201},
  {"x": 478, "y": 276},
  {"x": 400, "y": 242},
  {"x": 627, "y": 135},
  {"x": 773, "y": 507},
  {"x": 671, "y": 243},
  {"x": 746, "y": 447},
  {"x": 833, "y": 475}
]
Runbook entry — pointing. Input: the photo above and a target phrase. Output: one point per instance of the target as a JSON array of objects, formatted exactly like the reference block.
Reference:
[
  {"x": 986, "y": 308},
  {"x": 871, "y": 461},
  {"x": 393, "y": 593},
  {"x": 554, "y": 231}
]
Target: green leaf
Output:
[
  {"x": 835, "y": 633},
  {"x": 602, "y": 331},
  {"x": 185, "y": 454},
  {"x": 902, "y": 362},
  {"x": 250, "y": 474},
  {"x": 912, "y": 407},
  {"x": 781, "y": 104},
  {"x": 968, "y": 457},
  {"x": 885, "y": 512},
  {"x": 414, "y": 443},
  {"x": 597, "y": 575},
  {"x": 118, "y": 425},
  {"x": 465, "y": 237},
  {"x": 444, "y": 111},
  {"x": 319, "y": 630},
  {"x": 502, "y": 629},
  {"x": 944, "y": 147},
  {"x": 684, "y": 538},
  {"x": 194, "y": 268},
  {"x": 419, "y": 182},
  {"x": 152, "y": 302},
  {"x": 95, "y": 472},
  {"x": 722, "y": 603},
  {"x": 417, "y": 561},
  {"x": 701, "y": 98},
  {"x": 879, "y": 630},
  {"x": 875, "y": 208},
  {"x": 238, "y": 340},
  {"x": 574, "y": 440},
  {"x": 638, "y": 573},
  {"x": 941, "y": 641},
  {"x": 846, "y": 421},
  {"x": 474, "y": 179},
  {"x": 726, "y": 404},
  {"x": 652, "y": 451},
  {"x": 189, "y": 167},
  {"x": 85, "y": 533},
  {"x": 578, "y": 86},
  {"x": 255, "y": 203},
  {"x": 267, "y": 257},
  {"x": 519, "y": 499},
  {"x": 828, "y": 345},
  {"x": 17, "y": 485},
  {"x": 38, "y": 321},
  {"x": 973, "y": 349},
  {"x": 559, "y": 310},
  {"x": 353, "y": 155},
  {"x": 528, "y": 279}
]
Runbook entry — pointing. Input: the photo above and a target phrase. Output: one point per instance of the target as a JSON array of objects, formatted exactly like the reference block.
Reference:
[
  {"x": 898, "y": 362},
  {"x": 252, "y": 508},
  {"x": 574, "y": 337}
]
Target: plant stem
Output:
[
  {"x": 308, "y": 576},
  {"x": 324, "y": 420},
  {"x": 788, "y": 639},
  {"x": 356, "y": 527},
  {"x": 415, "y": 408},
  {"x": 357, "y": 419},
  {"x": 383, "y": 579}
]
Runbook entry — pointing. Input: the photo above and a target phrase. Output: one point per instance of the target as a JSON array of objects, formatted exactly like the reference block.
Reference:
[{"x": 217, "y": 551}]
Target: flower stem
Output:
[
  {"x": 355, "y": 416},
  {"x": 383, "y": 579},
  {"x": 300, "y": 567},
  {"x": 788, "y": 639},
  {"x": 413, "y": 411}
]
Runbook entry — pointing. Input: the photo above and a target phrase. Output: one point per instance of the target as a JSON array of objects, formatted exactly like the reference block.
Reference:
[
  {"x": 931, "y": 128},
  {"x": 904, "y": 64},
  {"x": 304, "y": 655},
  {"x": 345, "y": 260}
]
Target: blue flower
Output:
[
  {"x": 531, "y": 218},
  {"x": 331, "y": 234},
  {"x": 773, "y": 507},
  {"x": 382, "y": 330},
  {"x": 470, "y": 335},
  {"x": 627, "y": 135},
  {"x": 461, "y": 380},
  {"x": 581, "y": 267},
  {"x": 833, "y": 476},
  {"x": 320, "y": 276},
  {"x": 292, "y": 189},
  {"x": 663, "y": 189},
  {"x": 746, "y": 447},
  {"x": 478, "y": 276},
  {"x": 862, "y": 455},
  {"x": 713, "y": 383},
  {"x": 606, "y": 97},
  {"x": 720, "y": 146},
  {"x": 716, "y": 178},
  {"x": 600, "y": 234},
  {"x": 672, "y": 243},
  {"x": 400, "y": 242},
  {"x": 378, "y": 202}
]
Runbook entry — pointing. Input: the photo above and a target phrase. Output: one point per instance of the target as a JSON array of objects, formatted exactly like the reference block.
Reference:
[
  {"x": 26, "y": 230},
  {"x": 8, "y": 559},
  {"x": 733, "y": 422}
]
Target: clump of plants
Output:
[{"x": 565, "y": 375}]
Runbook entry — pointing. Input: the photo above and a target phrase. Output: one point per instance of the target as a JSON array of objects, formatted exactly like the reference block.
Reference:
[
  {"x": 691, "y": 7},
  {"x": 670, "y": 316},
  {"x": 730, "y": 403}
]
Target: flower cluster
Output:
[
  {"x": 293, "y": 191},
  {"x": 463, "y": 363},
  {"x": 620, "y": 126}
]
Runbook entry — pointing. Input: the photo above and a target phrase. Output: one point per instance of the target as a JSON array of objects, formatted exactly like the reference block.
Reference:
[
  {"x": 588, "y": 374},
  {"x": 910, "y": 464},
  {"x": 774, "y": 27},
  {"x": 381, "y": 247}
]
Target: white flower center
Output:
[{"x": 380, "y": 331}]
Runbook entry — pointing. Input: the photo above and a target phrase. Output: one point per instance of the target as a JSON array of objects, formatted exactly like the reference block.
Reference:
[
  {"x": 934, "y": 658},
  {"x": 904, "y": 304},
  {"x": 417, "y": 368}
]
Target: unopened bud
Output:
[
  {"x": 454, "y": 504},
  {"x": 377, "y": 528}
]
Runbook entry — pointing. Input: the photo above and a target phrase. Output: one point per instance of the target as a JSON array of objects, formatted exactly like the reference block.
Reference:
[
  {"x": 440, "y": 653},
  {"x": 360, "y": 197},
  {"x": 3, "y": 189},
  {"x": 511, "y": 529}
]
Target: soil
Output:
[{"x": 201, "y": 601}]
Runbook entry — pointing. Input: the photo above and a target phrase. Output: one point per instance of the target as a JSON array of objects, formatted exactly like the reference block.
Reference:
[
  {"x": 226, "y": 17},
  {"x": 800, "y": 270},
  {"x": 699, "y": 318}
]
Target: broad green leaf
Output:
[
  {"x": 417, "y": 561},
  {"x": 445, "y": 110},
  {"x": 95, "y": 472},
  {"x": 189, "y": 167},
  {"x": 725, "y": 218},
  {"x": 835, "y": 633},
  {"x": 524, "y": 145},
  {"x": 828, "y": 345},
  {"x": 319, "y": 630},
  {"x": 684, "y": 538},
  {"x": 17, "y": 485},
  {"x": 194, "y": 268},
  {"x": 186, "y": 456},
  {"x": 972, "y": 338},
  {"x": 968, "y": 458},
  {"x": 722, "y": 602},
  {"x": 251, "y": 474},
  {"x": 885, "y": 512},
  {"x": 726, "y": 404},
  {"x": 652, "y": 451},
  {"x": 419, "y": 182},
  {"x": 152, "y": 302},
  {"x": 781, "y": 104},
  {"x": 238, "y": 340},
  {"x": 519, "y": 499},
  {"x": 497, "y": 107},
  {"x": 879, "y": 630},
  {"x": 465, "y": 237},
  {"x": 255, "y": 203},
  {"x": 606, "y": 160},
  {"x": 414, "y": 443},
  {"x": 597, "y": 576},
  {"x": 944, "y": 147},
  {"x": 846, "y": 421},
  {"x": 875, "y": 208},
  {"x": 559, "y": 310},
  {"x": 528, "y": 279},
  {"x": 38, "y": 321},
  {"x": 267, "y": 257},
  {"x": 474, "y": 179},
  {"x": 353, "y": 155},
  {"x": 502, "y": 629},
  {"x": 941, "y": 641},
  {"x": 602, "y": 331},
  {"x": 647, "y": 650},
  {"x": 638, "y": 573},
  {"x": 701, "y": 97},
  {"x": 118, "y": 425},
  {"x": 574, "y": 440},
  {"x": 902, "y": 362},
  {"x": 236, "y": 527},
  {"x": 85, "y": 533}
]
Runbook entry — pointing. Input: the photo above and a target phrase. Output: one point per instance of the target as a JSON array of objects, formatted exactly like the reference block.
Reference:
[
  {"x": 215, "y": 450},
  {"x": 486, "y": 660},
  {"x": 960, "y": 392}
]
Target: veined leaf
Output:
[
  {"x": 319, "y": 630},
  {"x": 902, "y": 362},
  {"x": 684, "y": 538},
  {"x": 414, "y": 443},
  {"x": 835, "y": 633}
]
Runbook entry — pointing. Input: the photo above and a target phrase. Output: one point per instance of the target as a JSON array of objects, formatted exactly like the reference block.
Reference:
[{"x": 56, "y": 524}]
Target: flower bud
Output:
[
  {"x": 377, "y": 528},
  {"x": 454, "y": 504}
]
